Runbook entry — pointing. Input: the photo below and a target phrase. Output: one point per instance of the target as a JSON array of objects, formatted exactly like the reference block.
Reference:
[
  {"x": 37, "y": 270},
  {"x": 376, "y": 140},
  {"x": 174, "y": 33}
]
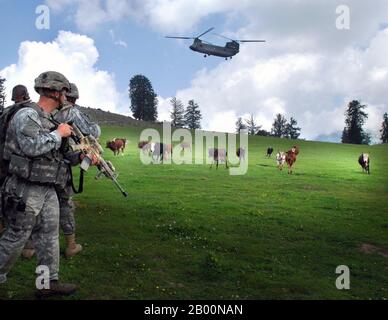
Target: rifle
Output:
[{"x": 88, "y": 145}]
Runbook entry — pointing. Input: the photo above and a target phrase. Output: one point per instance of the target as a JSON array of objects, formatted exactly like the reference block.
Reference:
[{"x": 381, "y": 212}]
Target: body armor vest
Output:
[{"x": 48, "y": 169}]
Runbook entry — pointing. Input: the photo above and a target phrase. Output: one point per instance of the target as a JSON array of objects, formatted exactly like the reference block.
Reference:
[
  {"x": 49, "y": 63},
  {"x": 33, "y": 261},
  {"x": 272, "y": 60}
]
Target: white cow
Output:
[{"x": 280, "y": 159}]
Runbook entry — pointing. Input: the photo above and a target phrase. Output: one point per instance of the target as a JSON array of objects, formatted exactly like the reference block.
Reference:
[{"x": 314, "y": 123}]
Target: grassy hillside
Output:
[{"x": 190, "y": 232}]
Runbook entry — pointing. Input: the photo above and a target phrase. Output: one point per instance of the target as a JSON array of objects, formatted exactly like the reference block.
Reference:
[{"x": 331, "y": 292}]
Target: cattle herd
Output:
[{"x": 160, "y": 151}]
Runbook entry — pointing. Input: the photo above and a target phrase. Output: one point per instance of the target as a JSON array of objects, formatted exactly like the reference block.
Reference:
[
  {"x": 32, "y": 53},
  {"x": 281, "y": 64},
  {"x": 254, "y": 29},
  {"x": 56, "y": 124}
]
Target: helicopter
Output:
[{"x": 230, "y": 49}]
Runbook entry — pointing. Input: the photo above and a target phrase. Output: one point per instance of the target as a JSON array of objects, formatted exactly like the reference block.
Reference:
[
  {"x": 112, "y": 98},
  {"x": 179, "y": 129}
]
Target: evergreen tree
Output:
[
  {"x": 144, "y": 101},
  {"x": 263, "y": 133},
  {"x": 177, "y": 114},
  {"x": 2, "y": 94},
  {"x": 279, "y": 126},
  {"x": 291, "y": 130},
  {"x": 366, "y": 138},
  {"x": 240, "y": 125},
  {"x": 252, "y": 125},
  {"x": 384, "y": 129},
  {"x": 193, "y": 116},
  {"x": 355, "y": 119}
]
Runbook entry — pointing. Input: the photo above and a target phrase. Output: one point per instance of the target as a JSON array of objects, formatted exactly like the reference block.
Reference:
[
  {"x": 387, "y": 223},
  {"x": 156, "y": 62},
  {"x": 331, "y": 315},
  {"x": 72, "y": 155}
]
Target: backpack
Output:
[{"x": 5, "y": 119}]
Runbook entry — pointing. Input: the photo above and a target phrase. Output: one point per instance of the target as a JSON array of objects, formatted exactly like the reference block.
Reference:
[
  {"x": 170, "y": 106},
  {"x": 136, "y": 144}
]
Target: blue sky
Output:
[
  {"x": 308, "y": 69},
  {"x": 169, "y": 64}
]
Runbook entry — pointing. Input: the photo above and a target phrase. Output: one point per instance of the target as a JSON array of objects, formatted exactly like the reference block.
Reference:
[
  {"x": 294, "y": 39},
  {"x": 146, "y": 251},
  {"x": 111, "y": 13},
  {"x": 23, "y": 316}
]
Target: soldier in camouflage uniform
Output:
[
  {"x": 19, "y": 95},
  {"x": 36, "y": 167},
  {"x": 69, "y": 113}
]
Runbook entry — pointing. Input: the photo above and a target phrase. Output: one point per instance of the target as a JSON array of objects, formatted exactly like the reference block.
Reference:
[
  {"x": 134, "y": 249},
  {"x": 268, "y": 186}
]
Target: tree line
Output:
[
  {"x": 144, "y": 106},
  {"x": 281, "y": 128}
]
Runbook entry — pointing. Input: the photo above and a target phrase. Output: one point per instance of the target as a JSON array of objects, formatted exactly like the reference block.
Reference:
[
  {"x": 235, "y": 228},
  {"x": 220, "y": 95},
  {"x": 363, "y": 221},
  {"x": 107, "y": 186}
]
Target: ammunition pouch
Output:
[
  {"x": 17, "y": 217},
  {"x": 40, "y": 171}
]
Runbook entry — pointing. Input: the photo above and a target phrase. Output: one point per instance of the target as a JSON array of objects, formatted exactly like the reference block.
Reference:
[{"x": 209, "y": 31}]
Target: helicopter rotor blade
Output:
[
  {"x": 242, "y": 41},
  {"x": 205, "y": 32},
  {"x": 220, "y": 35},
  {"x": 250, "y": 40},
  {"x": 179, "y": 37}
]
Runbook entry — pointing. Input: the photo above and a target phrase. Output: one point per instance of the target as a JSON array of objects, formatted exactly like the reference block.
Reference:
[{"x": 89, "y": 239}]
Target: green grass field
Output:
[{"x": 187, "y": 232}]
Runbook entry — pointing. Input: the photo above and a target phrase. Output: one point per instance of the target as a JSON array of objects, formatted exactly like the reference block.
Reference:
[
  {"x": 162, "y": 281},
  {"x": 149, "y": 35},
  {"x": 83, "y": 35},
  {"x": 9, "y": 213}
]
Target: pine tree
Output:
[
  {"x": 291, "y": 130},
  {"x": 279, "y": 126},
  {"x": 144, "y": 101},
  {"x": 263, "y": 133},
  {"x": 384, "y": 129},
  {"x": 355, "y": 119},
  {"x": 177, "y": 113},
  {"x": 240, "y": 125},
  {"x": 193, "y": 116},
  {"x": 2, "y": 94},
  {"x": 252, "y": 125}
]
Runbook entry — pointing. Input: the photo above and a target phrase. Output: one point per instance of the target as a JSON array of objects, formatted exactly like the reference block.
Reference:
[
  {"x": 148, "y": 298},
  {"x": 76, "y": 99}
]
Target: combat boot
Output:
[
  {"x": 72, "y": 247},
  {"x": 57, "y": 288},
  {"x": 28, "y": 253}
]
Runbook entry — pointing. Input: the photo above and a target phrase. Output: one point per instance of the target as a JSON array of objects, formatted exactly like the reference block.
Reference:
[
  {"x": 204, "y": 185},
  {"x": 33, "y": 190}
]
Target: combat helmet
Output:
[
  {"x": 51, "y": 80},
  {"x": 73, "y": 93},
  {"x": 20, "y": 91}
]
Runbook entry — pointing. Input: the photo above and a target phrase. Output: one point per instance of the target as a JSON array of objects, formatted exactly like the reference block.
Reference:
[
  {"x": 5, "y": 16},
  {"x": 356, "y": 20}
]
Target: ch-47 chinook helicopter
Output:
[{"x": 230, "y": 49}]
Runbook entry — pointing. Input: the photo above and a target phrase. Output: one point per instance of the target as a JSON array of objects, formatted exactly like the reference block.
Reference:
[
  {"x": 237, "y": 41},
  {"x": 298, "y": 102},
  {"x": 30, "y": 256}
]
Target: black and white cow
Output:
[
  {"x": 269, "y": 152},
  {"x": 364, "y": 161}
]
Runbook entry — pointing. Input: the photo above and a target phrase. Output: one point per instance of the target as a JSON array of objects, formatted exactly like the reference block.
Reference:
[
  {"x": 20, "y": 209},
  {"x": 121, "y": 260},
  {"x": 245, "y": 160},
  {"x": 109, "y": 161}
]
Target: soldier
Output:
[
  {"x": 20, "y": 94},
  {"x": 69, "y": 113},
  {"x": 36, "y": 167}
]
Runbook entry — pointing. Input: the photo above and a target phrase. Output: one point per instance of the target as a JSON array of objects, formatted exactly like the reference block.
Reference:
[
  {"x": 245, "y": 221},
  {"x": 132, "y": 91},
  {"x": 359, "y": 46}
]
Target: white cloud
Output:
[
  {"x": 73, "y": 55},
  {"x": 307, "y": 69}
]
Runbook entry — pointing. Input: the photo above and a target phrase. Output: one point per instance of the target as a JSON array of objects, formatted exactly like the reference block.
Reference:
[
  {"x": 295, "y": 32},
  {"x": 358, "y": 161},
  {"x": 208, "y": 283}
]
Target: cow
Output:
[
  {"x": 240, "y": 153},
  {"x": 167, "y": 151},
  {"x": 280, "y": 159},
  {"x": 364, "y": 161},
  {"x": 269, "y": 152},
  {"x": 117, "y": 145},
  {"x": 158, "y": 151},
  {"x": 218, "y": 155},
  {"x": 291, "y": 157},
  {"x": 145, "y": 146},
  {"x": 185, "y": 145}
]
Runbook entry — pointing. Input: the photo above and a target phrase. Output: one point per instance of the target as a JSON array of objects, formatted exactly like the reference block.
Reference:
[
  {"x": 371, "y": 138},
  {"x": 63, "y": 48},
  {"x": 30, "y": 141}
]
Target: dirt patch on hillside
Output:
[{"x": 370, "y": 248}]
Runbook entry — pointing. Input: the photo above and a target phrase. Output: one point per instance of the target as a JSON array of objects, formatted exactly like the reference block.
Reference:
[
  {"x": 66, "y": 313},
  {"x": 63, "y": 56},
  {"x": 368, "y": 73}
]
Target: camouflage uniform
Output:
[
  {"x": 69, "y": 113},
  {"x": 29, "y": 196},
  {"x": 19, "y": 95},
  {"x": 72, "y": 114}
]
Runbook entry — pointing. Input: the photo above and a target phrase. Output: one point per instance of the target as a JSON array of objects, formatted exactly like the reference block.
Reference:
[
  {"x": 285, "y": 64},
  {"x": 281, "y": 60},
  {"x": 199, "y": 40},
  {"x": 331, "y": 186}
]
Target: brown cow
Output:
[
  {"x": 145, "y": 146},
  {"x": 218, "y": 155},
  {"x": 116, "y": 145},
  {"x": 291, "y": 157}
]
